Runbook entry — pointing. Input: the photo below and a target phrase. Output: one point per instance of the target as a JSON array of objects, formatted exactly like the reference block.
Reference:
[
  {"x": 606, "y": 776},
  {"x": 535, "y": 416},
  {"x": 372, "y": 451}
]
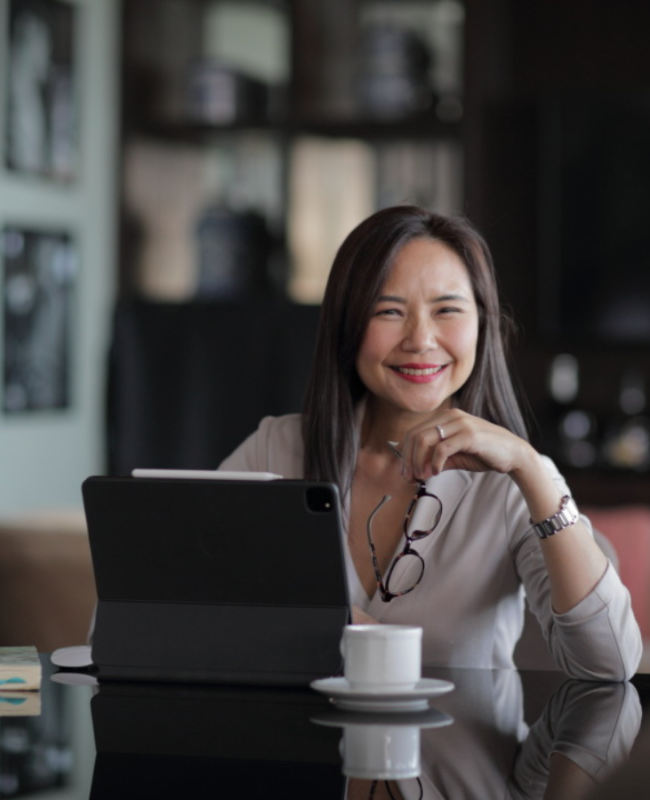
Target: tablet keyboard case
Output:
[{"x": 211, "y": 581}]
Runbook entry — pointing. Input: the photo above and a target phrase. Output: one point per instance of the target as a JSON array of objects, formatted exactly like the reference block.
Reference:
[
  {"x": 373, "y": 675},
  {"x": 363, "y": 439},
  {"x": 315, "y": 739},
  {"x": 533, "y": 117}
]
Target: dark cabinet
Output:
[{"x": 189, "y": 381}]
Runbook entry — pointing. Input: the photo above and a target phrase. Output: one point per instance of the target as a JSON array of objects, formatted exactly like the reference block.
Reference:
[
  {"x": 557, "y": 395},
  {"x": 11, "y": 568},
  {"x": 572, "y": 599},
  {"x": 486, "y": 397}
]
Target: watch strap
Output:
[{"x": 566, "y": 515}]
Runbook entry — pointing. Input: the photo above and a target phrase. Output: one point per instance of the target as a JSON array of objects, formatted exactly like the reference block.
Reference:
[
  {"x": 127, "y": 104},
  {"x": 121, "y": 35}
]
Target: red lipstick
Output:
[{"x": 418, "y": 373}]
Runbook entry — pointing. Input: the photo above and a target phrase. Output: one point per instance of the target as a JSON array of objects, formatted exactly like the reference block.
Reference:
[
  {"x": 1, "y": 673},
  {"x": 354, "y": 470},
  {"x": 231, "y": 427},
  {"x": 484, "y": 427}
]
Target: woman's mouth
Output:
[{"x": 418, "y": 373}]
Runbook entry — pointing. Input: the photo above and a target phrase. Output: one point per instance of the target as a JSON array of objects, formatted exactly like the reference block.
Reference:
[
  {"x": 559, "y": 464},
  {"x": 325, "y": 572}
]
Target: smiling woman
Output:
[
  {"x": 410, "y": 401},
  {"x": 419, "y": 346},
  {"x": 368, "y": 261}
]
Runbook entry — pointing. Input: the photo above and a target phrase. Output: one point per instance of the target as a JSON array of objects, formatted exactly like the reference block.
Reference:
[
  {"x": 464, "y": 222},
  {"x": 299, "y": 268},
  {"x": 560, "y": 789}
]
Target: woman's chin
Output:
[{"x": 405, "y": 406}]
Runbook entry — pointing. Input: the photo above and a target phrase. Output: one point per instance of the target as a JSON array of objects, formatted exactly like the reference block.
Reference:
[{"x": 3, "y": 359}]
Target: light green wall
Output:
[{"x": 44, "y": 456}]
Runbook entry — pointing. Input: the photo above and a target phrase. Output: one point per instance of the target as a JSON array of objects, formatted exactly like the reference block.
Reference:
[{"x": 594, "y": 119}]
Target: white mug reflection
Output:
[
  {"x": 382, "y": 746},
  {"x": 384, "y": 752}
]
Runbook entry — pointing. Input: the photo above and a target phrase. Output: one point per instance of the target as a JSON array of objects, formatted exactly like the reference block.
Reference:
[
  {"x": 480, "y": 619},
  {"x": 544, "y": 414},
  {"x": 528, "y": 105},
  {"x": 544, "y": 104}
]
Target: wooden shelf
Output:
[{"x": 425, "y": 127}]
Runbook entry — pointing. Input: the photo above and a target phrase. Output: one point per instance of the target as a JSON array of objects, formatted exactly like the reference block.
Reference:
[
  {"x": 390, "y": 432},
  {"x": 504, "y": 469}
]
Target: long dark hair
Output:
[{"x": 360, "y": 269}]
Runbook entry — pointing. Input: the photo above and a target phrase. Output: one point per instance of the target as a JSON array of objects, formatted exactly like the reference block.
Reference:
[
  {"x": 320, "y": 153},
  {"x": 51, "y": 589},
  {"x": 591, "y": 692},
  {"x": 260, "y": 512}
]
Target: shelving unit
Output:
[
  {"x": 247, "y": 161},
  {"x": 475, "y": 153},
  {"x": 422, "y": 127}
]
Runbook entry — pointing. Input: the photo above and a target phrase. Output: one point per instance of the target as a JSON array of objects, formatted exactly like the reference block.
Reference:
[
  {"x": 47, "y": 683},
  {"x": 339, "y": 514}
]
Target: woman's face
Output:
[{"x": 420, "y": 345}]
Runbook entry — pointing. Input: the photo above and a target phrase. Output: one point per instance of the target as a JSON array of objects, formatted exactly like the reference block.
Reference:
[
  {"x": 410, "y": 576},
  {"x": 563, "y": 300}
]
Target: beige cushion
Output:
[{"x": 47, "y": 587}]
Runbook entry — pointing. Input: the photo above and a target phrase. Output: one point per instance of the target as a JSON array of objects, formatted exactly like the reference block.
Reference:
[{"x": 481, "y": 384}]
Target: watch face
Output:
[{"x": 572, "y": 510}]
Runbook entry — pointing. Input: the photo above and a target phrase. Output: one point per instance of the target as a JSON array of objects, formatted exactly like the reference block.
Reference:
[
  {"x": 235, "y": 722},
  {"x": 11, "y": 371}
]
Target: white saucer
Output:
[
  {"x": 75, "y": 657},
  {"x": 416, "y": 699}
]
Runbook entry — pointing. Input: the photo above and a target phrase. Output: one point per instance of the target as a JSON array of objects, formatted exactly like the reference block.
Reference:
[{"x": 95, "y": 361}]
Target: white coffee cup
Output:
[{"x": 382, "y": 657}]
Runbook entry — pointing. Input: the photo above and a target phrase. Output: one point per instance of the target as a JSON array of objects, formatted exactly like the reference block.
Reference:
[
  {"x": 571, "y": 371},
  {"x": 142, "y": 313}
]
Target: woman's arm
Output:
[
  {"x": 574, "y": 591},
  {"x": 575, "y": 562}
]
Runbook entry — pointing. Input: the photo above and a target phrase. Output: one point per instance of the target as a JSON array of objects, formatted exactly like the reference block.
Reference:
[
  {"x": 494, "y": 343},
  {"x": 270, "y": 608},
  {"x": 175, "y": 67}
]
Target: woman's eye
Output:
[{"x": 388, "y": 312}]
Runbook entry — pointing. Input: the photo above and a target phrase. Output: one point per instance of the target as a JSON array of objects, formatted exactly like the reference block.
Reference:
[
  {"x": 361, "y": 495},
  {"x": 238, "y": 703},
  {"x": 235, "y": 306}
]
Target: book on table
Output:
[{"x": 20, "y": 669}]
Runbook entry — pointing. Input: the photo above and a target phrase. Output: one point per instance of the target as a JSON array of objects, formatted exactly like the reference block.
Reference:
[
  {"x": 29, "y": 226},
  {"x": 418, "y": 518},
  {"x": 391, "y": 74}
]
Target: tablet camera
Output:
[{"x": 320, "y": 499}]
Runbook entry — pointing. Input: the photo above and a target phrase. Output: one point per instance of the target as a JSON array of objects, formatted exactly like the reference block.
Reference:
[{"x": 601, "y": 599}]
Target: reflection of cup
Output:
[
  {"x": 382, "y": 746},
  {"x": 381, "y": 752},
  {"x": 382, "y": 657}
]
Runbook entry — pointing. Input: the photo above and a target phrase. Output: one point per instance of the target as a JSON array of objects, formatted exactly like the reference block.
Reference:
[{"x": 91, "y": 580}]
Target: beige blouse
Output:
[{"x": 481, "y": 561}]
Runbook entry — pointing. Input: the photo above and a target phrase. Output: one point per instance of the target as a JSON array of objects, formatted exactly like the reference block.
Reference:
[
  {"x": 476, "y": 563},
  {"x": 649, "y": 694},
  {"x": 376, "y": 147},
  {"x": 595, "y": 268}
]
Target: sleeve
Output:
[{"x": 599, "y": 638}]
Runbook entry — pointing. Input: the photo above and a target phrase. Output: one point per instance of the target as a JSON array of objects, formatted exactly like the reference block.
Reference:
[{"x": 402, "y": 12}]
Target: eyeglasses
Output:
[{"x": 407, "y": 568}]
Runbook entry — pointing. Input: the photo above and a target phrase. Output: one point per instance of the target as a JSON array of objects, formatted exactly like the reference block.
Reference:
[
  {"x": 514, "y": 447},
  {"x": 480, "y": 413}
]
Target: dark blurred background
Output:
[
  {"x": 256, "y": 134},
  {"x": 176, "y": 176}
]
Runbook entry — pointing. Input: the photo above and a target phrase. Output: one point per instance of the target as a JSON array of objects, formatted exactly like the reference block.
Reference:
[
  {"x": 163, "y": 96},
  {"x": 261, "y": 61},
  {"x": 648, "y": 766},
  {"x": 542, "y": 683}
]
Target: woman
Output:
[{"x": 409, "y": 385}]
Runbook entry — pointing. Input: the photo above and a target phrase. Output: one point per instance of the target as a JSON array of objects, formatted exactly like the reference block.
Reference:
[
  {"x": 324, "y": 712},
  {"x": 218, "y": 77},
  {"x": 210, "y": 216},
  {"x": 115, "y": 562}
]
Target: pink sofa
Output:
[{"x": 628, "y": 529}]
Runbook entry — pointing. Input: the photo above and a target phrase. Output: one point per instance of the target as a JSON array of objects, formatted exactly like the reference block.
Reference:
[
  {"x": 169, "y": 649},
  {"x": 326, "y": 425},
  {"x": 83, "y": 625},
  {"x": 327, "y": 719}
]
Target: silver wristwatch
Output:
[{"x": 567, "y": 515}]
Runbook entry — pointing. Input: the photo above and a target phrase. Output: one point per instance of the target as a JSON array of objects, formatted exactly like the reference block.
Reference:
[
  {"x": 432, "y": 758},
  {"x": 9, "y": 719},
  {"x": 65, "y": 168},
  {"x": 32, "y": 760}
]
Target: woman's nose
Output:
[{"x": 420, "y": 336}]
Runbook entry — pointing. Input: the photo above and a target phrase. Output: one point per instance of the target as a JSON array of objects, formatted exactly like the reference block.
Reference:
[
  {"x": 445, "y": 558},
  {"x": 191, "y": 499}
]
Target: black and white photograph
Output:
[
  {"x": 40, "y": 269},
  {"x": 41, "y": 136}
]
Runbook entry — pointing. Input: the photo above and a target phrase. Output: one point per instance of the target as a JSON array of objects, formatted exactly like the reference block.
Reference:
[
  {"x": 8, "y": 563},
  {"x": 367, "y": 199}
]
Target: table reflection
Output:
[
  {"x": 490, "y": 750},
  {"x": 499, "y": 734},
  {"x": 186, "y": 741},
  {"x": 501, "y": 747},
  {"x": 50, "y": 753},
  {"x": 382, "y": 746}
]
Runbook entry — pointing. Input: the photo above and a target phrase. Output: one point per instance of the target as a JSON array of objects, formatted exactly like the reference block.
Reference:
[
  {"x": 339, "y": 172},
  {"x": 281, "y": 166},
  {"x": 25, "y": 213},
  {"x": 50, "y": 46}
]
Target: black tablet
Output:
[{"x": 222, "y": 581}]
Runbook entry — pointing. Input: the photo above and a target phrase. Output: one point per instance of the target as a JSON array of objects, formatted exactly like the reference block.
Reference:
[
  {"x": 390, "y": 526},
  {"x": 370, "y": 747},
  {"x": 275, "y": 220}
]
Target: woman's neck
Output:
[{"x": 383, "y": 424}]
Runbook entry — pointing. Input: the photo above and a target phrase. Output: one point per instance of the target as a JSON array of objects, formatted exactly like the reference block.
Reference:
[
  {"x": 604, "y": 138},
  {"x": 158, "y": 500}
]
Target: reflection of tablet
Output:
[{"x": 206, "y": 474}]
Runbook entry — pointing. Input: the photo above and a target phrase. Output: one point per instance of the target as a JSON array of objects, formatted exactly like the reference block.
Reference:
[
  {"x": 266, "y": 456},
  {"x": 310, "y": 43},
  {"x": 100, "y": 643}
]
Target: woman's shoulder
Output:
[
  {"x": 276, "y": 446},
  {"x": 284, "y": 431}
]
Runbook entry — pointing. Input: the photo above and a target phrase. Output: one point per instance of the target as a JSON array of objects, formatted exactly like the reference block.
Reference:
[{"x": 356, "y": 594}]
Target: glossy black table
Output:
[{"x": 490, "y": 737}]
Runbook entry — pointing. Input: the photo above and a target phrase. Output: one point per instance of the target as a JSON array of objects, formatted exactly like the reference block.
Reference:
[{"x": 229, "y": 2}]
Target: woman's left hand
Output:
[
  {"x": 467, "y": 442},
  {"x": 575, "y": 563}
]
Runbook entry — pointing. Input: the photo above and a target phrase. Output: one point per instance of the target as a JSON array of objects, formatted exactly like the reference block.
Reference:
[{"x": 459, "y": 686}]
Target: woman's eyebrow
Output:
[
  {"x": 391, "y": 298},
  {"x": 444, "y": 298}
]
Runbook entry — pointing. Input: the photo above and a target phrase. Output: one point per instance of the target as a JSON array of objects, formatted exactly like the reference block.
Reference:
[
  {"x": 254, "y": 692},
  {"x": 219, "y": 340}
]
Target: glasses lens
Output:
[
  {"x": 405, "y": 573},
  {"x": 424, "y": 516}
]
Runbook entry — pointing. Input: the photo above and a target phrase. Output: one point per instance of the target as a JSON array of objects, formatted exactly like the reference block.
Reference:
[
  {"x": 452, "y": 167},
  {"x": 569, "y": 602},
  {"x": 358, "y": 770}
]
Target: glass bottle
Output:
[
  {"x": 574, "y": 427},
  {"x": 627, "y": 443}
]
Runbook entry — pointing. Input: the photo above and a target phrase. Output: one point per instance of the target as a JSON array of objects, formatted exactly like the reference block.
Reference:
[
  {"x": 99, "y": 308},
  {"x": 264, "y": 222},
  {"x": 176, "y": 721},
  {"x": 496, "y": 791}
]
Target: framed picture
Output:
[
  {"x": 41, "y": 136},
  {"x": 39, "y": 274}
]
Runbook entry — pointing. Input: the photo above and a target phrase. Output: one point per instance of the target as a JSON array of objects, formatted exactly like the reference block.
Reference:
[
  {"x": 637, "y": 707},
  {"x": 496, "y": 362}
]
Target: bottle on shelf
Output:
[
  {"x": 394, "y": 64},
  {"x": 627, "y": 442},
  {"x": 233, "y": 248},
  {"x": 574, "y": 428}
]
